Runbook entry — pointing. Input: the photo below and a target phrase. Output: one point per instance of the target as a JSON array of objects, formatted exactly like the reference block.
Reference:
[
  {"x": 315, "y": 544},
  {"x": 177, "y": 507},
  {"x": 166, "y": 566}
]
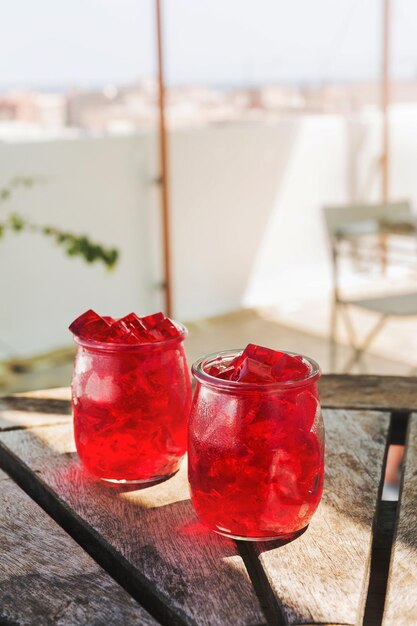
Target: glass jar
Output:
[
  {"x": 255, "y": 452},
  {"x": 131, "y": 406}
]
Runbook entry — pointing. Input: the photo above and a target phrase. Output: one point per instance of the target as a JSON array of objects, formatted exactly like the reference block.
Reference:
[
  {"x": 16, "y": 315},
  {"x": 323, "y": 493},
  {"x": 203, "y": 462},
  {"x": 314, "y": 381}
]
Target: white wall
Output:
[
  {"x": 293, "y": 256},
  {"x": 225, "y": 182},
  {"x": 246, "y": 218},
  {"x": 100, "y": 187},
  {"x": 334, "y": 161}
]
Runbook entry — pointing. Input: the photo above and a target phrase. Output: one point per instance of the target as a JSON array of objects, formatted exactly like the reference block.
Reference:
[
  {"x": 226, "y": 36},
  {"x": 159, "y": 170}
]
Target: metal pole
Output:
[
  {"x": 163, "y": 163},
  {"x": 385, "y": 100}
]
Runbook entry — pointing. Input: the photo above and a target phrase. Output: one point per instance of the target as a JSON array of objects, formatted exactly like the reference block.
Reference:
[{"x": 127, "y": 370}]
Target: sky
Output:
[{"x": 67, "y": 43}]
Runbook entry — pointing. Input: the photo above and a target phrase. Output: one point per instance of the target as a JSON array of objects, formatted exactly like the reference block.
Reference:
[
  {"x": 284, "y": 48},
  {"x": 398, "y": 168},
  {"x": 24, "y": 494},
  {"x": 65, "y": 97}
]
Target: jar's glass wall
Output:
[
  {"x": 130, "y": 411},
  {"x": 256, "y": 459}
]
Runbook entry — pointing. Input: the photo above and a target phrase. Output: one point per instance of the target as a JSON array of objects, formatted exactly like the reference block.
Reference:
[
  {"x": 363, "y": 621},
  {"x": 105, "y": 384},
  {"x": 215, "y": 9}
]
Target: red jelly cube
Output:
[
  {"x": 131, "y": 322},
  {"x": 89, "y": 325},
  {"x": 262, "y": 355},
  {"x": 152, "y": 321},
  {"x": 221, "y": 372},
  {"x": 133, "y": 327},
  {"x": 254, "y": 364},
  {"x": 251, "y": 371},
  {"x": 290, "y": 368},
  {"x": 108, "y": 319},
  {"x": 168, "y": 329},
  {"x": 164, "y": 329},
  {"x": 130, "y": 329},
  {"x": 118, "y": 333},
  {"x": 257, "y": 364},
  {"x": 226, "y": 374},
  {"x": 214, "y": 370}
]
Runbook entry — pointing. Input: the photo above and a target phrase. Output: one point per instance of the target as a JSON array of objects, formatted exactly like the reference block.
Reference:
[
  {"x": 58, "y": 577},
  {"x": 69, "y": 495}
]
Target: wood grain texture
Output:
[
  {"x": 46, "y": 578},
  {"x": 199, "y": 575},
  {"x": 322, "y": 576},
  {"x": 390, "y": 393},
  {"x": 337, "y": 391},
  {"x": 58, "y": 393},
  {"x": 401, "y": 599},
  {"x": 35, "y": 408}
]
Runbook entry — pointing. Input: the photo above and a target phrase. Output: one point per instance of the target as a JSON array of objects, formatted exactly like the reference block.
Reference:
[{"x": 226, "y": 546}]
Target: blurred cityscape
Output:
[{"x": 121, "y": 109}]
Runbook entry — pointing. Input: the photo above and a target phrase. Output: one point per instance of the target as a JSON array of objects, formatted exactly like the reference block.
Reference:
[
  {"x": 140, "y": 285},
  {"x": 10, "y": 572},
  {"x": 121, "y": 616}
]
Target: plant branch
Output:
[
  {"x": 18, "y": 182},
  {"x": 74, "y": 245}
]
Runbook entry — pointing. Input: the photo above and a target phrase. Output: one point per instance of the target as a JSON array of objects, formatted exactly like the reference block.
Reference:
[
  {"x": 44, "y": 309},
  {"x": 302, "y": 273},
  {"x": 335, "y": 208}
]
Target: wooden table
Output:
[{"x": 74, "y": 550}]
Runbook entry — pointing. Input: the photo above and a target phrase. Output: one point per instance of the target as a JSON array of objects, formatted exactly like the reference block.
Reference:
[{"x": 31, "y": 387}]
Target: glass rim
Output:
[
  {"x": 199, "y": 373},
  {"x": 105, "y": 346}
]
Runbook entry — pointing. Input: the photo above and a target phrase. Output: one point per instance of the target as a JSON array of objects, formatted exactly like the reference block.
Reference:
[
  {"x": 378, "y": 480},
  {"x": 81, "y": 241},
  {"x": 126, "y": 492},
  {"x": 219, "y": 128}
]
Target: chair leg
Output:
[
  {"x": 349, "y": 327},
  {"x": 359, "y": 350},
  {"x": 333, "y": 336},
  {"x": 352, "y": 339}
]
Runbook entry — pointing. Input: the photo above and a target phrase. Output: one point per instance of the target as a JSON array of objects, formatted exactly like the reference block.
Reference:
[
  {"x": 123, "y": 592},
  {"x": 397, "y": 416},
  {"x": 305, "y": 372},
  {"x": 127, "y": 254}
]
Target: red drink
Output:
[
  {"x": 255, "y": 450},
  {"x": 131, "y": 397}
]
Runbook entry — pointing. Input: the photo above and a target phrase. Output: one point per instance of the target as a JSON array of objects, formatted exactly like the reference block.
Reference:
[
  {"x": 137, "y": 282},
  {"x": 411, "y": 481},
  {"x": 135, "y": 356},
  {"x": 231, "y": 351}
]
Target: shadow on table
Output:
[
  {"x": 153, "y": 508},
  {"x": 151, "y": 534},
  {"x": 266, "y": 546},
  {"x": 36, "y": 405}
]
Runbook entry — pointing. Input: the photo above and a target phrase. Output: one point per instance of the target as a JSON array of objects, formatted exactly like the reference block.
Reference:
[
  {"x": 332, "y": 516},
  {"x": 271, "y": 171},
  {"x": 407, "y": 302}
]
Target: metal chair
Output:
[{"x": 377, "y": 244}]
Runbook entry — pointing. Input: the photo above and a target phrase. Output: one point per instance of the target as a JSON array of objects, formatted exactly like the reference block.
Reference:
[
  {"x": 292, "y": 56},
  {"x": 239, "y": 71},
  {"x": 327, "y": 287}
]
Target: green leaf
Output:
[
  {"x": 73, "y": 245},
  {"x": 17, "y": 223},
  {"x": 82, "y": 246}
]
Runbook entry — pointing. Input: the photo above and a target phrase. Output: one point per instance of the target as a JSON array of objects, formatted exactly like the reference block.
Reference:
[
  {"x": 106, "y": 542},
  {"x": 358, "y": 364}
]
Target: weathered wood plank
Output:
[
  {"x": 46, "y": 578},
  {"x": 322, "y": 576},
  {"x": 390, "y": 393},
  {"x": 198, "y": 575},
  {"x": 35, "y": 408},
  {"x": 401, "y": 599},
  {"x": 58, "y": 393},
  {"x": 337, "y": 391}
]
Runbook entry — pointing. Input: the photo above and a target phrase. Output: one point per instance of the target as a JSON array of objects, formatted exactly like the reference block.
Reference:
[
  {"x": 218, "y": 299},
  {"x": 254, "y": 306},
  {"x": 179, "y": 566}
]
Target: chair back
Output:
[
  {"x": 356, "y": 240},
  {"x": 361, "y": 219}
]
